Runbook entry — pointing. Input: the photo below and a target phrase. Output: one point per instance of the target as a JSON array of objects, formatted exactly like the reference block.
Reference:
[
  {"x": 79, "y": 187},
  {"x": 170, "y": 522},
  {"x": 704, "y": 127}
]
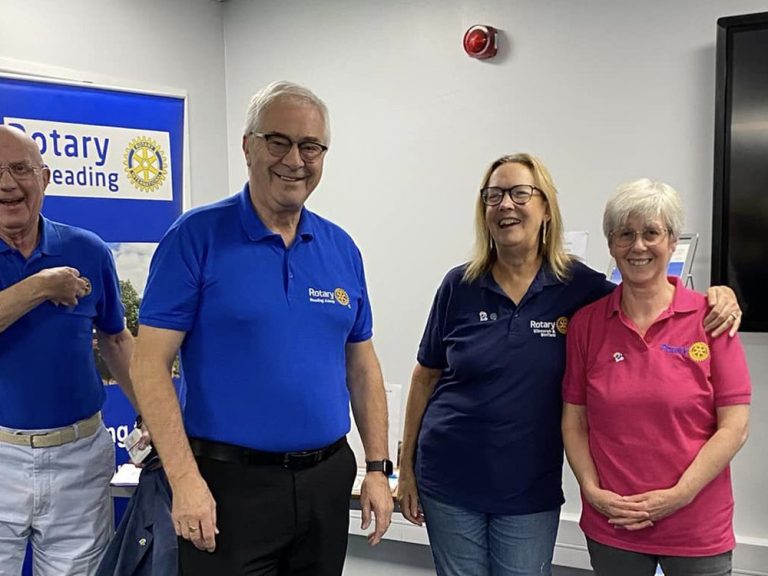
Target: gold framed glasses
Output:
[
  {"x": 20, "y": 171},
  {"x": 625, "y": 237}
]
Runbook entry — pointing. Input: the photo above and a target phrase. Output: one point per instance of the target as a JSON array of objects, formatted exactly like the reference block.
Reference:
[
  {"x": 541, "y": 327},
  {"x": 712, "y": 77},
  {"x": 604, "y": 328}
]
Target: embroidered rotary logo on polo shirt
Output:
[
  {"x": 699, "y": 351},
  {"x": 549, "y": 328},
  {"x": 341, "y": 296},
  {"x": 335, "y": 296}
]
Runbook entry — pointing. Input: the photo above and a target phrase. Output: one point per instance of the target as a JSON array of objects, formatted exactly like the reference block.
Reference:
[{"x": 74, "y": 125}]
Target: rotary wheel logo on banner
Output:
[{"x": 145, "y": 164}]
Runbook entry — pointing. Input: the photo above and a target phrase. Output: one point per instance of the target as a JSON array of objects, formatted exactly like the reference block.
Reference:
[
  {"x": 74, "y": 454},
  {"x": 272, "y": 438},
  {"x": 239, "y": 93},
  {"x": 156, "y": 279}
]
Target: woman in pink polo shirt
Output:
[{"x": 655, "y": 408}]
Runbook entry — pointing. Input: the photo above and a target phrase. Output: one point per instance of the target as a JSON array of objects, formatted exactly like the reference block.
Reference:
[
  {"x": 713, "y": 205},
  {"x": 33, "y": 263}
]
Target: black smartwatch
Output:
[{"x": 384, "y": 466}]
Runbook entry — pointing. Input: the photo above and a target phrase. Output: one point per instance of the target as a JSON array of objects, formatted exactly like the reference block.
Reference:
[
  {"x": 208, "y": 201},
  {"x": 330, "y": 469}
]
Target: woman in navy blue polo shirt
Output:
[{"x": 484, "y": 406}]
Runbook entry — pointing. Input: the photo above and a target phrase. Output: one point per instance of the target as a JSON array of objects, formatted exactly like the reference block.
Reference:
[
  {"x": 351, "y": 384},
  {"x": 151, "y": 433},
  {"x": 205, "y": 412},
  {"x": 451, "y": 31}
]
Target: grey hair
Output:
[
  {"x": 648, "y": 199},
  {"x": 283, "y": 89}
]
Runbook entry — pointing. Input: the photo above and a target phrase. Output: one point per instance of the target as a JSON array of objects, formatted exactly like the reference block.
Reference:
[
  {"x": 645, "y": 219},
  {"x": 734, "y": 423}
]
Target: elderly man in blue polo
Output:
[{"x": 57, "y": 283}]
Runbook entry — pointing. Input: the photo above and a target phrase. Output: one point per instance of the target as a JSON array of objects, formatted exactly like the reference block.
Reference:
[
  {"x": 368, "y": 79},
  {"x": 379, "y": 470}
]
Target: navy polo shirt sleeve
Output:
[
  {"x": 362, "y": 329},
  {"x": 594, "y": 284},
  {"x": 172, "y": 293},
  {"x": 588, "y": 285},
  {"x": 110, "y": 313},
  {"x": 432, "y": 353},
  {"x": 603, "y": 287}
]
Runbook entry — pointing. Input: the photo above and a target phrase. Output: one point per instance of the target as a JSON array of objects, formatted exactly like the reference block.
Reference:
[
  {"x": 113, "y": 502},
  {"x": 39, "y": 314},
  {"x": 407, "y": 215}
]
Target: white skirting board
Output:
[{"x": 749, "y": 559}]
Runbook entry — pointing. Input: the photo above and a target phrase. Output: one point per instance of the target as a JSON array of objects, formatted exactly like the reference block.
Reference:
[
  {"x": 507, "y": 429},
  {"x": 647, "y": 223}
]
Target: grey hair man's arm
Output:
[
  {"x": 194, "y": 509},
  {"x": 369, "y": 407}
]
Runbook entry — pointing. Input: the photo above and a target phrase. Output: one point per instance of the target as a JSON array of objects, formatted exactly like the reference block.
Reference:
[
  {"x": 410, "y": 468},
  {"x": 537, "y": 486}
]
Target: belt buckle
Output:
[
  {"x": 301, "y": 460},
  {"x": 32, "y": 439}
]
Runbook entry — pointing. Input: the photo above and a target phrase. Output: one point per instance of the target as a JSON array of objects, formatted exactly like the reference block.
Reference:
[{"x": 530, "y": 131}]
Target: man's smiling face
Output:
[
  {"x": 21, "y": 198},
  {"x": 283, "y": 184}
]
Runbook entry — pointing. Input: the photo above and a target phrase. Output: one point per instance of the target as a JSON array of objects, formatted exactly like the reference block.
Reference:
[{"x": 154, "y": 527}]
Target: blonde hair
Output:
[{"x": 551, "y": 246}]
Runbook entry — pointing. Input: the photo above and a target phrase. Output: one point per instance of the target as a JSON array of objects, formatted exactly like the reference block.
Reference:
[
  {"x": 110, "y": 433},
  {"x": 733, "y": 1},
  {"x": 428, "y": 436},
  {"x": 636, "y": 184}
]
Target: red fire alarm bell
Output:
[{"x": 480, "y": 42}]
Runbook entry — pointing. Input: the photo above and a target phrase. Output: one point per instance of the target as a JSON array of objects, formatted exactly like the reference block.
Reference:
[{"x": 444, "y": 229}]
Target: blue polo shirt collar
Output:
[
  {"x": 50, "y": 238},
  {"x": 255, "y": 228},
  {"x": 544, "y": 277},
  {"x": 49, "y": 242}
]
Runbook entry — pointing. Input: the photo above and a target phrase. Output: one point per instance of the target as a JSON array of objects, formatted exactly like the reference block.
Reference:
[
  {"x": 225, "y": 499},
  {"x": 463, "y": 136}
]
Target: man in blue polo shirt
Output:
[
  {"x": 56, "y": 458},
  {"x": 267, "y": 303}
]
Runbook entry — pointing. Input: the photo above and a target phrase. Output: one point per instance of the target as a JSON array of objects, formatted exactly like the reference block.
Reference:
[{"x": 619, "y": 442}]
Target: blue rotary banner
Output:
[{"x": 116, "y": 157}]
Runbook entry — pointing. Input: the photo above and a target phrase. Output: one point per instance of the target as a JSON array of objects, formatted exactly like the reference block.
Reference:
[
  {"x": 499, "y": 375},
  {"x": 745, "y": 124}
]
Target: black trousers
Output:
[
  {"x": 274, "y": 521},
  {"x": 609, "y": 561}
]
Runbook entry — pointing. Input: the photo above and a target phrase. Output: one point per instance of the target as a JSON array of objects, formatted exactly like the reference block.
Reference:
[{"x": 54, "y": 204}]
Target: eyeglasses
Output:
[
  {"x": 20, "y": 170},
  {"x": 626, "y": 237},
  {"x": 279, "y": 145},
  {"x": 520, "y": 194}
]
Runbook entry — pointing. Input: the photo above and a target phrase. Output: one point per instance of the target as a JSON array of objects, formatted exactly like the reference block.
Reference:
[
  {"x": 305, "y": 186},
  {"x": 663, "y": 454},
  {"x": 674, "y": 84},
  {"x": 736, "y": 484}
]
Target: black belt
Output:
[{"x": 291, "y": 460}]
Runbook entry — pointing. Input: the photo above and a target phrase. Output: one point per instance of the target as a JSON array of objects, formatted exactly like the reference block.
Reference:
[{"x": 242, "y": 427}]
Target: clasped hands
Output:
[{"x": 637, "y": 511}]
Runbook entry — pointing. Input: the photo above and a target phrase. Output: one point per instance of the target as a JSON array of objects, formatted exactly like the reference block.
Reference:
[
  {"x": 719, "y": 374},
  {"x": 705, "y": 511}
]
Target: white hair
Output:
[
  {"x": 648, "y": 199},
  {"x": 282, "y": 89}
]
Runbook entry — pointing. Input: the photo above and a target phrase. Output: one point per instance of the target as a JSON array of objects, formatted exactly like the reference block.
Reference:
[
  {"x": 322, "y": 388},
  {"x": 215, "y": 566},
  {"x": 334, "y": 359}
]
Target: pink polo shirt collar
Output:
[{"x": 683, "y": 300}]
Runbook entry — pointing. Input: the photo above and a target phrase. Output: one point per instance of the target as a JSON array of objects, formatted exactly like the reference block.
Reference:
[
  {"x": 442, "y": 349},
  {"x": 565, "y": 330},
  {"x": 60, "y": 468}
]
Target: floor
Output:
[{"x": 392, "y": 558}]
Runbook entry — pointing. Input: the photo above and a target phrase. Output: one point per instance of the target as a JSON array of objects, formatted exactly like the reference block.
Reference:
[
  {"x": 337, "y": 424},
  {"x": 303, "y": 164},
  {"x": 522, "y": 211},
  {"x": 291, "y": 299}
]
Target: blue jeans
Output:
[{"x": 467, "y": 543}]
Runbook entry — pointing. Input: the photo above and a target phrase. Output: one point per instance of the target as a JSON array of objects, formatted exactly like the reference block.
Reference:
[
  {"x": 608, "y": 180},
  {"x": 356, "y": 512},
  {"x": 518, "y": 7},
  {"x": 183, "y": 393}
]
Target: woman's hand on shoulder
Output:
[{"x": 724, "y": 314}]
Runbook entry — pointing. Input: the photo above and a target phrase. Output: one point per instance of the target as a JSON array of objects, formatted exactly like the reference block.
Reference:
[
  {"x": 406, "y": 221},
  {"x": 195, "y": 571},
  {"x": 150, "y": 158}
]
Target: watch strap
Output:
[{"x": 383, "y": 466}]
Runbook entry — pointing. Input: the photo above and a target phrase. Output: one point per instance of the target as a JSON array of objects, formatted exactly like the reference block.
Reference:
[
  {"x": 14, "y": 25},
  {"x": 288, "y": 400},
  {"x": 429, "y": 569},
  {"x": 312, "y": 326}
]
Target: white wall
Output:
[
  {"x": 603, "y": 91},
  {"x": 174, "y": 43}
]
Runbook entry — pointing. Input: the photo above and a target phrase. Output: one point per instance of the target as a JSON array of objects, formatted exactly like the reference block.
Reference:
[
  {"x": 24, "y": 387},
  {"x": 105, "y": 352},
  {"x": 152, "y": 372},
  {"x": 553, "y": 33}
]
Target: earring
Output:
[{"x": 544, "y": 234}]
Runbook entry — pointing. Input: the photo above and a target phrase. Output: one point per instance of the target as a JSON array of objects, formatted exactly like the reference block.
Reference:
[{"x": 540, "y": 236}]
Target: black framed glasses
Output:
[
  {"x": 20, "y": 170},
  {"x": 626, "y": 237},
  {"x": 520, "y": 194},
  {"x": 279, "y": 145}
]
